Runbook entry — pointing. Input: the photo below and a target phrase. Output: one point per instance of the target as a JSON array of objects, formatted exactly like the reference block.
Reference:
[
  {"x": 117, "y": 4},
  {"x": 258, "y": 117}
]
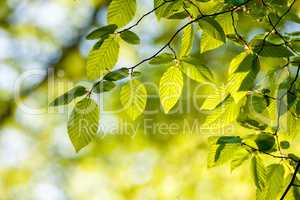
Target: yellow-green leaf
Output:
[
  {"x": 209, "y": 43},
  {"x": 102, "y": 59},
  {"x": 121, "y": 12},
  {"x": 258, "y": 172},
  {"x": 133, "y": 98},
  {"x": 170, "y": 88},
  {"x": 187, "y": 41},
  {"x": 194, "y": 72},
  {"x": 83, "y": 123}
]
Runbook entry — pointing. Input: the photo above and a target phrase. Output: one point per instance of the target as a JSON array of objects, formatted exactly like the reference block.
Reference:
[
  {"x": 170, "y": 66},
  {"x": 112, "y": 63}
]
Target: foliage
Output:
[{"x": 241, "y": 99}]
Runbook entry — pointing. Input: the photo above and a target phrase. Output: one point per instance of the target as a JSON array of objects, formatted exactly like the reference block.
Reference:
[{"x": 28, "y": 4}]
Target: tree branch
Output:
[{"x": 292, "y": 181}]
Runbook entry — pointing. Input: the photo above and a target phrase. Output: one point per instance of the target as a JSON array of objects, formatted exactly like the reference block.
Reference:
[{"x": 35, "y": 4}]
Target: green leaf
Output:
[
  {"x": 239, "y": 158},
  {"x": 274, "y": 181},
  {"x": 101, "y": 32},
  {"x": 162, "y": 59},
  {"x": 103, "y": 59},
  {"x": 224, "y": 114},
  {"x": 196, "y": 73},
  {"x": 130, "y": 37},
  {"x": 258, "y": 172},
  {"x": 214, "y": 99},
  {"x": 170, "y": 88},
  {"x": 104, "y": 86},
  {"x": 284, "y": 144},
  {"x": 117, "y": 74},
  {"x": 208, "y": 42},
  {"x": 242, "y": 74},
  {"x": 83, "y": 123},
  {"x": 133, "y": 98},
  {"x": 187, "y": 41},
  {"x": 225, "y": 21},
  {"x": 220, "y": 154},
  {"x": 69, "y": 96},
  {"x": 269, "y": 49},
  {"x": 224, "y": 140},
  {"x": 169, "y": 9},
  {"x": 265, "y": 142},
  {"x": 213, "y": 28},
  {"x": 235, "y": 2},
  {"x": 121, "y": 12},
  {"x": 240, "y": 62}
]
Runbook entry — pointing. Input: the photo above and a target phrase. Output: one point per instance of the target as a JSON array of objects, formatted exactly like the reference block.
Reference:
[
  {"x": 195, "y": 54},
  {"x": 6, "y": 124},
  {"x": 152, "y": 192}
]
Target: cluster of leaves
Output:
[{"x": 240, "y": 100}]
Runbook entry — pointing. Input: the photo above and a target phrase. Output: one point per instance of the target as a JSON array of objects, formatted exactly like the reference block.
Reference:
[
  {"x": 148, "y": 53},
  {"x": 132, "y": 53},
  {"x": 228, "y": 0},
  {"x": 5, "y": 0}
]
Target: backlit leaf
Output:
[
  {"x": 170, "y": 88},
  {"x": 121, "y": 12},
  {"x": 133, "y": 97},
  {"x": 69, "y": 96},
  {"x": 101, "y": 60},
  {"x": 83, "y": 123}
]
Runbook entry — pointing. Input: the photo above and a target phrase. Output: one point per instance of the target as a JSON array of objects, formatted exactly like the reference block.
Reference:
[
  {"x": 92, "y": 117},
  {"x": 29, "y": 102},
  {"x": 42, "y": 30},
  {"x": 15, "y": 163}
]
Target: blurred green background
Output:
[{"x": 42, "y": 54}]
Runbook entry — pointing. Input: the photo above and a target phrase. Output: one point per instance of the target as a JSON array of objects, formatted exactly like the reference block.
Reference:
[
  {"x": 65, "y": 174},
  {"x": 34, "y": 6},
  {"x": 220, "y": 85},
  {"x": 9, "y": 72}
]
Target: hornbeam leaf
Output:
[
  {"x": 170, "y": 88},
  {"x": 102, "y": 31},
  {"x": 219, "y": 154},
  {"x": 162, "y": 59},
  {"x": 258, "y": 172},
  {"x": 208, "y": 42},
  {"x": 133, "y": 98},
  {"x": 102, "y": 59},
  {"x": 187, "y": 41},
  {"x": 215, "y": 98},
  {"x": 130, "y": 37},
  {"x": 239, "y": 158},
  {"x": 69, "y": 96},
  {"x": 274, "y": 181},
  {"x": 267, "y": 49},
  {"x": 121, "y": 12},
  {"x": 213, "y": 28},
  {"x": 104, "y": 86},
  {"x": 224, "y": 114},
  {"x": 195, "y": 72},
  {"x": 117, "y": 74},
  {"x": 83, "y": 123}
]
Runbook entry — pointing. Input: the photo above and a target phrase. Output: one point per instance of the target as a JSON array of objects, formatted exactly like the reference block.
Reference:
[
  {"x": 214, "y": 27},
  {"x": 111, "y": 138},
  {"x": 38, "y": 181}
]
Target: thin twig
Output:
[
  {"x": 146, "y": 14},
  {"x": 236, "y": 31},
  {"x": 292, "y": 181},
  {"x": 275, "y": 25},
  {"x": 269, "y": 154},
  {"x": 182, "y": 28}
]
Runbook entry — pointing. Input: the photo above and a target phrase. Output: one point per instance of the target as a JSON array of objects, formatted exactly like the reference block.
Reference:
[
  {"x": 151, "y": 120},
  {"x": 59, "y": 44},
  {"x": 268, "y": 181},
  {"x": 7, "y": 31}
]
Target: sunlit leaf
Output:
[
  {"x": 258, "y": 172},
  {"x": 83, "y": 123},
  {"x": 187, "y": 41},
  {"x": 133, "y": 97},
  {"x": 208, "y": 42},
  {"x": 130, "y": 37},
  {"x": 194, "y": 72},
  {"x": 117, "y": 74},
  {"x": 102, "y": 31},
  {"x": 162, "y": 59},
  {"x": 103, "y": 59},
  {"x": 213, "y": 28},
  {"x": 69, "y": 96},
  {"x": 170, "y": 88},
  {"x": 121, "y": 12},
  {"x": 104, "y": 86},
  {"x": 239, "y": 158}
]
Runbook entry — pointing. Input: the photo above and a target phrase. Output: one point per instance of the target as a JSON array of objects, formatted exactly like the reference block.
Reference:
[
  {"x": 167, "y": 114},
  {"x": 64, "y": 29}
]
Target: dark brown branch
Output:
[
  {"x": 269, "y": 154},
  {"x": 275, "y": 25},
  {"x": 236, "y": 31},
  {"x": 291, "y": 182}
]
